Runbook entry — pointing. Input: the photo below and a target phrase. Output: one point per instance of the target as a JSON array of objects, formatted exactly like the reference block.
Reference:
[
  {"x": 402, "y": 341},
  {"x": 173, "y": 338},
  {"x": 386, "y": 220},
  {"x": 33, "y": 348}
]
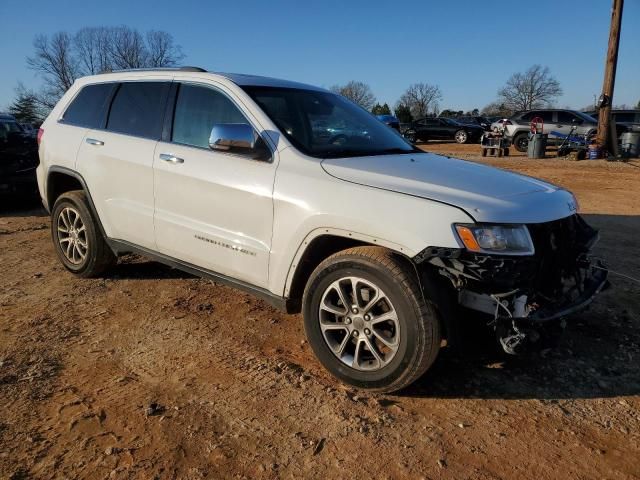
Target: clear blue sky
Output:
[{"x": 468, "y": 48}]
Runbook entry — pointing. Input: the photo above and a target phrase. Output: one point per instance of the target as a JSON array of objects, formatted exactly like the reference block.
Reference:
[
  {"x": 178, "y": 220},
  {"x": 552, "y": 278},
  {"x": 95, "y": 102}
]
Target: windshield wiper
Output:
[
  {"x": 364, "y": 153},
  {"x": 389, "y": 151}
]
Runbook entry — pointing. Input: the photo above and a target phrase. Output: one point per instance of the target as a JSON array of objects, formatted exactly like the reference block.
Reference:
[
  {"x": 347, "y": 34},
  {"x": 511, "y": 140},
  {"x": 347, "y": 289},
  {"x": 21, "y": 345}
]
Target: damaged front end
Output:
[{"x": 521, "y": 295}]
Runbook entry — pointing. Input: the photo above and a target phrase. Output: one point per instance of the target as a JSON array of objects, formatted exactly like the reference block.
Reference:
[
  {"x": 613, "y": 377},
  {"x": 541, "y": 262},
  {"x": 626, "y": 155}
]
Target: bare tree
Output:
[
  {"x": 55, "y": 61},
  {"x": 357, "y": 92},
  {"x": 420, "y": 98},
  {"x": 93, "y": 50},
  {"x": 162, "y": 51},
  {"x": 497, "y": 109},
  {"x": 127, "y": 48},
  {"x": 63, "y": 57},
  {"x": 534, "y": 88}
]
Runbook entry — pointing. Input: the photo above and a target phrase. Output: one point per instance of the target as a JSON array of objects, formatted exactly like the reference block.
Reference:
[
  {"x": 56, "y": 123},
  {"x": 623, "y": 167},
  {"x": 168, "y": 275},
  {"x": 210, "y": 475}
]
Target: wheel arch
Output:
[
  {"x": 61, "y": 180},
  {"x": 318, "y": 246}
]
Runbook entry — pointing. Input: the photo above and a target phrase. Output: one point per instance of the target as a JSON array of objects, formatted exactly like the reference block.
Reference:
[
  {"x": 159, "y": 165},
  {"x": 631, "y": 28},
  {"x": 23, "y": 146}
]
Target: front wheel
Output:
[
  {"x": 367, "y": 320},
  {"x": 521, "y": 142},
  {"x": 461, "y": 136}
]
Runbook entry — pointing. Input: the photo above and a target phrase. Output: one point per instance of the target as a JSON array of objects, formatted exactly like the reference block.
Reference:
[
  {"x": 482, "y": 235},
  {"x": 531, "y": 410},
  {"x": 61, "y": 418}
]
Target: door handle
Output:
[
  {"x": 171, "y": 158},
  {"x": 93, "y": 141}
]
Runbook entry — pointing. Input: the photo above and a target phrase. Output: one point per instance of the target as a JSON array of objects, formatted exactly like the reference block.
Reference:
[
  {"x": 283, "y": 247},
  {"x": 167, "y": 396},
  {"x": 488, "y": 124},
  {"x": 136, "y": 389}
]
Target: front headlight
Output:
[{"x": 504, "y": 239}]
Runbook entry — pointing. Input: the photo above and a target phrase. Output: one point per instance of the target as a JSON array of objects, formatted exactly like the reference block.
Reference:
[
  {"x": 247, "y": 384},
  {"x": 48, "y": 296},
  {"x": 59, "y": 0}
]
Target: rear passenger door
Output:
[
  {"x": 214, "y": 209},
  {"x": 564, "y": 121},
  {"x": 116, "y": 160},
  {"x": 429, "y": 128}
]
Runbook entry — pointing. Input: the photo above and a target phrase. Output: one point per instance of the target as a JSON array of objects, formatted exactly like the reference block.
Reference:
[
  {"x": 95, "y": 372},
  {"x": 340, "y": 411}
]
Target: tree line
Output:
[{"x": 63, "y": 57}]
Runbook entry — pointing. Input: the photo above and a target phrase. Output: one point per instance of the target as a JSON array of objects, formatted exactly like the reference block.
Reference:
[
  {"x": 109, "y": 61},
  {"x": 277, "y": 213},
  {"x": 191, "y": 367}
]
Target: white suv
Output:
[{"x": 303, "y": 198}]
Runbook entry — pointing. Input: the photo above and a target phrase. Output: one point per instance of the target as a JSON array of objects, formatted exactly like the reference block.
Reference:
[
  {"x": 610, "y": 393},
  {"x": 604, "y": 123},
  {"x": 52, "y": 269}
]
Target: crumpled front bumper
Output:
[
  {"x": 520, "y": 296},
  {"x": 597, "y": 283}
]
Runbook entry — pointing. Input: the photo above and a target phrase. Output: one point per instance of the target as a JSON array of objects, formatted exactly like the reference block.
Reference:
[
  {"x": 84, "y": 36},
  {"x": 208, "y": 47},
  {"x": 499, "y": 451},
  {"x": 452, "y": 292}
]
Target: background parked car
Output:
[
  {"x": 18, "y": 158},
  {"x": 442, "y": 129},
  {"x": 497, "y": 123},
  {"x": 29, "y": 129},
  {"x": 630, "y": 119},
  {"x": 390, "y": 120},
  {"x": 555, "y": 120},
  {"x": 475, "y": 120}
]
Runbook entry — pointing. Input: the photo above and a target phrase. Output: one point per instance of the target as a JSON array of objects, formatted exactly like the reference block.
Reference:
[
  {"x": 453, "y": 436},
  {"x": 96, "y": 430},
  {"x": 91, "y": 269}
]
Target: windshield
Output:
[{"x": 326, "y": 125}]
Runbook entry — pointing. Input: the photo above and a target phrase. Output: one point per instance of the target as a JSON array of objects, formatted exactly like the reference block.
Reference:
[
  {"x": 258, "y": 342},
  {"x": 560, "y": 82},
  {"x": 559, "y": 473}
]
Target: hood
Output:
[{"x": 487, "y": 194}]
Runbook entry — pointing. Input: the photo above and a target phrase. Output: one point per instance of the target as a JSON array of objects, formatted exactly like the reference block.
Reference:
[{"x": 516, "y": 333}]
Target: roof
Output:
[
  {"x": 240, "y": 79},
  {"x": 245, "y": 80}
]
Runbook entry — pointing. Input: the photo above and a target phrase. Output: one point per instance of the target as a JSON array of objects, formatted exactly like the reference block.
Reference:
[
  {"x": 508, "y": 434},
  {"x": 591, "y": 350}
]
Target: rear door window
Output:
[
  {"x": 138, "y": 109},
  {"x": 624, "y": 116},
  {"x": 88, "y": 108},
  {"x": 198, "y": 109},
  {"x": 566, "y": 118}
]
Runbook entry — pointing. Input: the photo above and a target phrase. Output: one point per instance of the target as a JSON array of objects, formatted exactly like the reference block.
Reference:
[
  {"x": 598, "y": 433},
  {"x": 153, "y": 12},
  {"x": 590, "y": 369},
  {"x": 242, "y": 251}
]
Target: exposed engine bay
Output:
[{"x": 520, "y": 295}]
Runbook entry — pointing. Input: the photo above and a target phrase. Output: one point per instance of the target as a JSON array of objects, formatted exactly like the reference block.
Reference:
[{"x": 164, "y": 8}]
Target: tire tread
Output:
[{"x": 428, "y": 343}]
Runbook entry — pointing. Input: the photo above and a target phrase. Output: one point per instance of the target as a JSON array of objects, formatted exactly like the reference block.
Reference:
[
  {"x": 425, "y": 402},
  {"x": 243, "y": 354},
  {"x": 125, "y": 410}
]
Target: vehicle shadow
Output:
[{"x": 596, "y": 356}]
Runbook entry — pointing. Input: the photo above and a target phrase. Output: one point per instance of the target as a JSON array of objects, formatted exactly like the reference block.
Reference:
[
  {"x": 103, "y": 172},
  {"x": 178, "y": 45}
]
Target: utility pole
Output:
[{"x": 606, "y": 99}]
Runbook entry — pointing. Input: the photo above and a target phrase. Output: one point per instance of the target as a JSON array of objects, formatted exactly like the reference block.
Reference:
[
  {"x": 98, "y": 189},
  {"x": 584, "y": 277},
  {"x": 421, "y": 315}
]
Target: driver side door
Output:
[{"x": 213, "y": 209}]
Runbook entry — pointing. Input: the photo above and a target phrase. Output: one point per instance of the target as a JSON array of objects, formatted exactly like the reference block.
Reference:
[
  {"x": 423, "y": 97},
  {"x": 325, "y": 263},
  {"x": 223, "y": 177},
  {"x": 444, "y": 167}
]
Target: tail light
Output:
[{"x": 40, "y": 133}]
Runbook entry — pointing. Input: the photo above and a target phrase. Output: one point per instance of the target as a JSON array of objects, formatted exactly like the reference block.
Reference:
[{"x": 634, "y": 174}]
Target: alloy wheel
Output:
[
  {"x": 72, "y": 235},
  {"x": 461, "y": 136},
  {"x": 359, "y": 324},
  {"x": 411, "y": 136}
]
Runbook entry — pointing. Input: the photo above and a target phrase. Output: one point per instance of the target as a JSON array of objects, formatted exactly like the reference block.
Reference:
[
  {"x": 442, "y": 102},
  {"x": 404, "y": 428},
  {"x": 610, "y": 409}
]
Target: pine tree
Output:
[
  {"x": 25, "y": 107},
  {"x": 381, "y": 109},
  {"x": 403, "y": 113}
]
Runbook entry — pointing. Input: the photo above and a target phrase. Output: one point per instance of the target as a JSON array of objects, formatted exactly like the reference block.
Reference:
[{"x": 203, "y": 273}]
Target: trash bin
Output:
[
  {"x": 631, "y": 144},
  {"x": 537, "y": 145}
]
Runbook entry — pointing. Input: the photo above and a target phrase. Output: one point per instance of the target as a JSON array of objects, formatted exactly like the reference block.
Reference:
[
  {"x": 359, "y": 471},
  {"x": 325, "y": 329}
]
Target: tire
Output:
[
  {"x": 411, "y": 136},
  {"x": 350, "y": 337},
  {"x": 521, "y": 142},
  {"x": 77, "y": 240},
  {"x": 461, "y": 136}
]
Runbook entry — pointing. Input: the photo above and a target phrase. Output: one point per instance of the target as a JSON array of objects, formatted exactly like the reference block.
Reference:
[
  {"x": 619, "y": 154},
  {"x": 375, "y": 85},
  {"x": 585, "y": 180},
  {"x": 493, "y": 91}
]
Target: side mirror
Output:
[{"x": 238, "y": 138}]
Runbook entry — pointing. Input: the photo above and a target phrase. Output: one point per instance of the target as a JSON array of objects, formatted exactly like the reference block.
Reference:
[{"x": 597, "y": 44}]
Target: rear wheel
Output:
[
  {"x": 521, "y": 142},
  {"x": 461, "y": 136},
  {"x": 76, "y": 237},
  {"x": 367, "y": 320},
  {"x": 411, "y": 136}
]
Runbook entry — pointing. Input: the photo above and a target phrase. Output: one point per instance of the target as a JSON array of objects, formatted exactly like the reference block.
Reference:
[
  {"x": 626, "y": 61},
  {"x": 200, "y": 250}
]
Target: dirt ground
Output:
[{"x": 151, "y": 373}]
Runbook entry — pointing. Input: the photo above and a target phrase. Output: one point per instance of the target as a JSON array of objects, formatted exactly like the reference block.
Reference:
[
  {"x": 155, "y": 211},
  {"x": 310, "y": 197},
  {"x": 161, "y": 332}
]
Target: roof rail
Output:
[{"x": 158, "y": 69}]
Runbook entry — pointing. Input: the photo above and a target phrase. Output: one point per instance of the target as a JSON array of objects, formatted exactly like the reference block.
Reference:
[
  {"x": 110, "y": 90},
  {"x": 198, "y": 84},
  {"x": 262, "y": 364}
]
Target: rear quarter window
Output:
[
  {"x": 88, "y": 108},
  {"x": 138, "y": 109}
]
